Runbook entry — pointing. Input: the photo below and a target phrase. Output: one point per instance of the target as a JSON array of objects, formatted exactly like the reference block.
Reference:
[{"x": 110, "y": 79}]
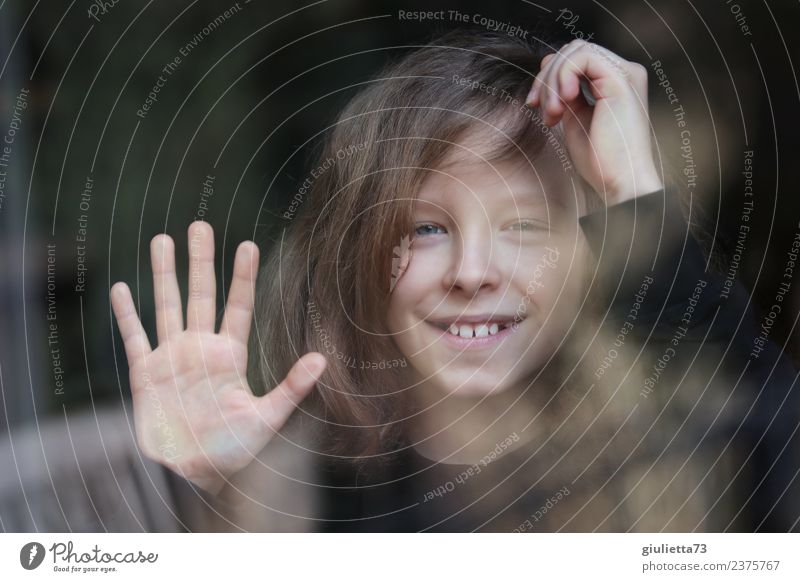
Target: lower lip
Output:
[{"x": 474, "y": 343}]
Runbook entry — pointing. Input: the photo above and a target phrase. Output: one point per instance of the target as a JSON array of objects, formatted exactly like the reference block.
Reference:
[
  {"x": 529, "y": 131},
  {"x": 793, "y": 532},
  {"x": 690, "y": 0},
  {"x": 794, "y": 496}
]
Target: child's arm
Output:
[
  {"x": 648, "y": 260},
  {"x": 641, "y": 239},
  {"x": 656, "y": 276},
  {"x": 656, "y": 273}
]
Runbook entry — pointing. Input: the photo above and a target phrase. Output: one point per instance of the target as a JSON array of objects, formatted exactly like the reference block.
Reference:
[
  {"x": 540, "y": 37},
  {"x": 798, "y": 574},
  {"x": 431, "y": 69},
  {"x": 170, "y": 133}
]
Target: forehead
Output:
[{"x": 468, "y": 173}]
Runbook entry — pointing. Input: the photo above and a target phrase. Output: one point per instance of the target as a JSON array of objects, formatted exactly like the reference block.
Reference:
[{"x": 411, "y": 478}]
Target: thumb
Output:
[{"x": 278, "y": 404}]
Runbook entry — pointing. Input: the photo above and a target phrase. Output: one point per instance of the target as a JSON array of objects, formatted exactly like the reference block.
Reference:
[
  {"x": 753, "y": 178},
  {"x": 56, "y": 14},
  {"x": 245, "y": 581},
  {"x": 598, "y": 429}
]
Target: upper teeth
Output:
[{"x": 467, "y": 330}]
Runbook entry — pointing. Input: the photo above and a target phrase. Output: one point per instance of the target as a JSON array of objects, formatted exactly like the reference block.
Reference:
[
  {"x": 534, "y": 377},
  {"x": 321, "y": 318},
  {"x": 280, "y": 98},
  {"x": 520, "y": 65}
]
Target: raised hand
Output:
[
  {"x": 193, "y": 408},
  {"x": 609, "y": 143}
]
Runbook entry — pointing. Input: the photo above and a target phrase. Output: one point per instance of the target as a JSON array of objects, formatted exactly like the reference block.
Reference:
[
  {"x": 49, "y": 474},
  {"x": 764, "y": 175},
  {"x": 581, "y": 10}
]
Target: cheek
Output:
[
  {"x": 400, "y": 326},
  {"x": 541, "y": 269},
  {"x": 551, "y": 275},
  {"x": 397, "y": 313},
  {"x": 421, "y": 276},
  {"x": 405, "y": 300}
]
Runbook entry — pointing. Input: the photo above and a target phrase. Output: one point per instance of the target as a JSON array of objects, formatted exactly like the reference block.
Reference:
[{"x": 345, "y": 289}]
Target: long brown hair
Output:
[{"x": 325, "y": 287}]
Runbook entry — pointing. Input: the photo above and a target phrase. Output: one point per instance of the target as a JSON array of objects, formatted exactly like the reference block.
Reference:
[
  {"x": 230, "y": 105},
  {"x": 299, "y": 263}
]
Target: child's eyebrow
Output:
[
  {"x": 521, "y": 202},
  {"x": 534, "y": 199},
  {"x": 527, "y": 197},
  {"x": 521, "y": 197}
]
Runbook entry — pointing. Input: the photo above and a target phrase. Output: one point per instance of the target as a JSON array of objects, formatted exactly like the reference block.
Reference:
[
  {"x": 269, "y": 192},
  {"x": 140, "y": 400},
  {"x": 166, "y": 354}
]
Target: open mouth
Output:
[{"x": 469, "y": 330}]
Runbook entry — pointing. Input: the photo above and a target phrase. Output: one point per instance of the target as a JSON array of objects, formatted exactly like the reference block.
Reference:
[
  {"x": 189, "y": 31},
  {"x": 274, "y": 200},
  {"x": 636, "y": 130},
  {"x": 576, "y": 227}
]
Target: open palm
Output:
[{"x": 193, "y": 408}]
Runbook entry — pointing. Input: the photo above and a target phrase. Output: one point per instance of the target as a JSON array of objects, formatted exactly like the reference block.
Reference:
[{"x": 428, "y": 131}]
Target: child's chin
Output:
[{"x": 476, "y": 387}]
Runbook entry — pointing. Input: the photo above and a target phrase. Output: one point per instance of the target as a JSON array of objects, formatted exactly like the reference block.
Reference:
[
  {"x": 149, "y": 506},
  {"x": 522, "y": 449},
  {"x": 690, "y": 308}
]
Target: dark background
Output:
[{"x": 245, "y": 105}]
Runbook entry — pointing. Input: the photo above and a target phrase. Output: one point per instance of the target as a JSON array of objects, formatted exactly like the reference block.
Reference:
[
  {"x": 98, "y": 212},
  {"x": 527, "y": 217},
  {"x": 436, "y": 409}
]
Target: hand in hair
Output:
[
  {"x": 609, "y": 142},
  {"x": 193, "y": 408}
]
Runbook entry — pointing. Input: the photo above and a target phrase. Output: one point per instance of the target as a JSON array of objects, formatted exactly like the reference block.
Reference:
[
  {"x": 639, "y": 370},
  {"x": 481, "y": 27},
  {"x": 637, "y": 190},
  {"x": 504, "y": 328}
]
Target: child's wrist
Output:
[
  {"x": 211, "y": 485},
  {"x": 646, "y": 183}
]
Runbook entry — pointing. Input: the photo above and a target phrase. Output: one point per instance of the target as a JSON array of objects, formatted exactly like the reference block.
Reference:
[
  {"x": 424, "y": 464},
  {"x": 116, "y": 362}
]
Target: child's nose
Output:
[{"x": 473, "y": 265}]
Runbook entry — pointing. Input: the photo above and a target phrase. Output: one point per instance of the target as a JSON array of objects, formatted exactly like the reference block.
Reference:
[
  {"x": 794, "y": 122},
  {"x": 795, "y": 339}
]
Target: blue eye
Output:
[
  {"x": 525, "y": 225},
  {"x": 426, "y": 229},
  {"x": 532, "y": 225}
]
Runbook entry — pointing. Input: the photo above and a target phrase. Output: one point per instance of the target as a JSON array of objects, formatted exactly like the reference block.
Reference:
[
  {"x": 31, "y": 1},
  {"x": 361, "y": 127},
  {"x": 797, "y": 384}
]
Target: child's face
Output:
[{"x": 492, "y": 242}]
